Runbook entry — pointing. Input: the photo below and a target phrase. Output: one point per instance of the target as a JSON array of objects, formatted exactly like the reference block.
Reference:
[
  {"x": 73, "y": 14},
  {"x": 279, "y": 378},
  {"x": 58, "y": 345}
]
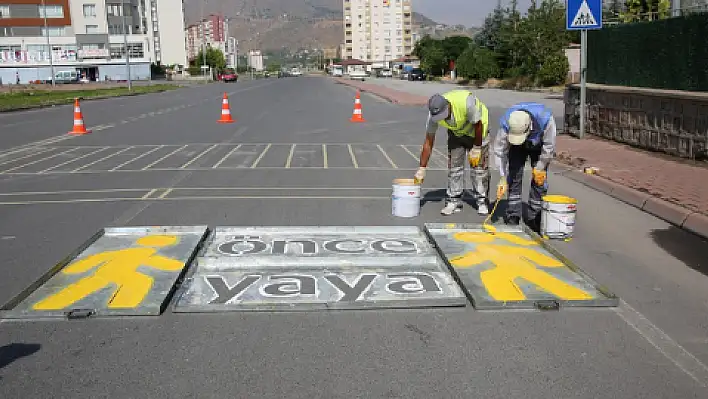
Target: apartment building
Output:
[
  {"x": 213, "y": 31},
  {"x": 377, "y": 31},
  {"x": 87, "y": 36}
]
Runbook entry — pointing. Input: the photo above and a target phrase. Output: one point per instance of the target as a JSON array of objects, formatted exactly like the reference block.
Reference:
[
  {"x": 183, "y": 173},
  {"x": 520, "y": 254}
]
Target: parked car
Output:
[
  {"x": 416, "y": 74},
  {"x": 357, "y": 75},
  {"x": 386, "y": 73},
  {"x": 229, "y": 75}
]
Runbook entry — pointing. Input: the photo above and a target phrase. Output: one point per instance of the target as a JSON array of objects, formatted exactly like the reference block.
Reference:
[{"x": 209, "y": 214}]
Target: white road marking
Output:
[
  {"x": 165, "y": 157},
  {"x": 226, "y": 156},
  {"x": 387, "y": 157},
  {"x": 671, "y": 349},
  {"x": 410, "y": 153},
  {"x": 351, "y": 154},
  {"x": 29, "y": 155},
  {"x": 102, "y": 159},
  {"x": 290, "y": 156},
  {"x": 73, "y": 160},
  {"x": 37, "y": 161},
  {"x": 136, "y": 158},
  {"x": 198, "y": 156},
  {"x": 262, "y": 154}
]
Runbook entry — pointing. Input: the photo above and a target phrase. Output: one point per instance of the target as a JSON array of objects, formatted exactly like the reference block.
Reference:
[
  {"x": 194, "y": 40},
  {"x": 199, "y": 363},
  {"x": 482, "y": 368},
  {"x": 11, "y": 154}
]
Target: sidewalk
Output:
[{"x": 674, "y": 190}]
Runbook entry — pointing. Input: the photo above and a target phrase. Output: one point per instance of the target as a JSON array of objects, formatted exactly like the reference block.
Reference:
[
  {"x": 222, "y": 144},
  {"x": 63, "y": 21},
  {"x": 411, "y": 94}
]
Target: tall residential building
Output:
[
  {"x": 377, "y": 30},
  {"x": 212, "y": 31},
  {"x": 87, "y": 36}
]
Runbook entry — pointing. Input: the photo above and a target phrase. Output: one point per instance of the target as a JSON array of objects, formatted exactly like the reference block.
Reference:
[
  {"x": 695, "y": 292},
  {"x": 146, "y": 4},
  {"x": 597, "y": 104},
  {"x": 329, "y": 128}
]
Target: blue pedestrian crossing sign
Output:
[{"x": 583, "y": 14}]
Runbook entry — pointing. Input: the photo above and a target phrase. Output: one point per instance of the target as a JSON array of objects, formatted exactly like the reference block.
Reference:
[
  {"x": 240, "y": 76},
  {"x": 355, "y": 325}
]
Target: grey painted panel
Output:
[{"x": 317, "y": 289}]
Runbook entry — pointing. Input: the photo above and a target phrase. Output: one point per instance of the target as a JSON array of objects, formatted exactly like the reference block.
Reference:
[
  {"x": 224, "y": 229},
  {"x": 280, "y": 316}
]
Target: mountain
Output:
[{"x": 278, "y": 24}]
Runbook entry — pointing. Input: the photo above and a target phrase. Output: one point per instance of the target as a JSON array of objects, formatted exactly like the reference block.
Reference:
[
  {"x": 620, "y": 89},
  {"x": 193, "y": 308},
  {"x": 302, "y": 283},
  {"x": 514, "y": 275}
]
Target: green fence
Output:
[{"x": 667, "y": 54}]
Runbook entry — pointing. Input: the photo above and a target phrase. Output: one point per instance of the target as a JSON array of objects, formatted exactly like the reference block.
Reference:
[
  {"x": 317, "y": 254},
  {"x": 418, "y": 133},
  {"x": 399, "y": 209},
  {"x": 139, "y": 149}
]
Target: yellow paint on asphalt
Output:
[
  {"x": 351, "y": 154},
  {"x": 290, "y": 156},
  {"x": 325, "y": 162},
  {"x": 513, "y": 263},
  {"x": 255, "y": 163},
  {"x": 117, "y": 269}
]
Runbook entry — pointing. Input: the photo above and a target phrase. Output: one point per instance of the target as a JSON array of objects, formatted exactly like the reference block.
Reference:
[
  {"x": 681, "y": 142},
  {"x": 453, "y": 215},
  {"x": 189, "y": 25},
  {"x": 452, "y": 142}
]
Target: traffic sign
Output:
[{"x": 583, "y": 14}]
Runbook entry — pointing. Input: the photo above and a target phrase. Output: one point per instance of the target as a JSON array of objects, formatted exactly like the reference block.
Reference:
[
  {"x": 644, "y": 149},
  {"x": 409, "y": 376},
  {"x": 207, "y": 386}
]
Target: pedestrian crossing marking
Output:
[{"x": 584, "y": 16}]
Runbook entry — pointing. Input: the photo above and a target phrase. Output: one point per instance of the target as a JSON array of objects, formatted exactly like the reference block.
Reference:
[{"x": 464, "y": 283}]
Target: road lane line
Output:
[
  {"x": 165, "y": 157},
  {"x": 290, "y": 156},
  {"x": 136, "y": 158},
  {"x": 255, "y": 163},
  {"x": 73, "y": 160},
  {"x": 149, "y": 193},
  {"x": 410, "y": 153},
  {"x": 325, "y": 163},
  {"x": 99, "y": 160},
  {"x": 351, "y": 154},
  {"x": 198, "y": 156},
  {"x": 108, "y": 190},
  {"x": 39, "y": 160},
  {"x": 29, "y": 155},
  {"x": 671, "y": 349},
  {"x": 387, "y": 157},
  {"x": 226, "y": 156},
  {"x": 165, "y": 194}
]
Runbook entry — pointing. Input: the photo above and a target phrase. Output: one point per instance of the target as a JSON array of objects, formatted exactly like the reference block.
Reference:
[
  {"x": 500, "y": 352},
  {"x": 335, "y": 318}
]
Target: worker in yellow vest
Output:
[{"x": 467, "y": 121}]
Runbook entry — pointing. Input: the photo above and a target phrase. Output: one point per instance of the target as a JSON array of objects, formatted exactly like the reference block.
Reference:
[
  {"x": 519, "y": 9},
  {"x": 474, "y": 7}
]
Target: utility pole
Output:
[
  {"x": 49, "y": 46},
  {"x": 125, "y": 43},
  {"x": 204, "y": 57}
]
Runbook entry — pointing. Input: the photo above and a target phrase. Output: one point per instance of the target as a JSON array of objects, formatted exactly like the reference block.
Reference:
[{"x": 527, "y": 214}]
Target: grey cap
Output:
[{"x": 438, "y": 107}]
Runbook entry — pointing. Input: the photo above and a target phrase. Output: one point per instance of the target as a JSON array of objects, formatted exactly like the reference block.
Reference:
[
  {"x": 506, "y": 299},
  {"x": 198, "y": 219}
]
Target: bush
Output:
[
  {"x": 554, "y": 70},
  {"x": 478, "y": 63}
]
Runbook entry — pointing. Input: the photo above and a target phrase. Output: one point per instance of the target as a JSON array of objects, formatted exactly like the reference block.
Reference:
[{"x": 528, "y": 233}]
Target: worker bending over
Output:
[
  {"x": 467, "y": 121},
  {"x": 527, "y": 131}
]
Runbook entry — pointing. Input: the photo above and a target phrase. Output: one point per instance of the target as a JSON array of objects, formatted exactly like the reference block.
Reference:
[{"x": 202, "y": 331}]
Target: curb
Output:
[
  {"x": 684, "y": 218},
  {"x": 386, "y": 97}
]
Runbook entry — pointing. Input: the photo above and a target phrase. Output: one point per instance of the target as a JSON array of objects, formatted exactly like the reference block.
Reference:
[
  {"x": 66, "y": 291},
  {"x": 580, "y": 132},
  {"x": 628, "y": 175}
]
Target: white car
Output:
[
  {"x": 357, "y": 75},
  {"x": 295, "y": 72}
]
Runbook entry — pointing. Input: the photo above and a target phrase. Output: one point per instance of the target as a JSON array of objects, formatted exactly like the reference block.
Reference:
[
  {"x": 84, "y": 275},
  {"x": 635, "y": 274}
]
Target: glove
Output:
[
  {"x": 502, "y": 188},
  {"x": 539, "y": 176},
  {"x": 474, "y": 156},
  {"x": 419, "y": 175}
]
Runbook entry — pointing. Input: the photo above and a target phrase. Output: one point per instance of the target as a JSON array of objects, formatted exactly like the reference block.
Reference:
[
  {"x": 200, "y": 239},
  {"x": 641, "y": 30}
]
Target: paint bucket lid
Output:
[
  {"x": 405, "y": 182},
  {"x": 559, "y": 199}
]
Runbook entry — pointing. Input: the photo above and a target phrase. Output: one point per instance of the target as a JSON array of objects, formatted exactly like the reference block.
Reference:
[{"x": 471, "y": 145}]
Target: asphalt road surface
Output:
[{"x": 162, "y": 159}]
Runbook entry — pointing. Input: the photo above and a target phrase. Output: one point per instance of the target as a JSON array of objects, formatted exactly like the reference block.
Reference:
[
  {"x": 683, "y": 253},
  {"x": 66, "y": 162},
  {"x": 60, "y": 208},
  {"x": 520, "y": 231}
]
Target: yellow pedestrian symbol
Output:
[
  {"x": 513, "y": 262},
  {"x": 119, "y": 269}
]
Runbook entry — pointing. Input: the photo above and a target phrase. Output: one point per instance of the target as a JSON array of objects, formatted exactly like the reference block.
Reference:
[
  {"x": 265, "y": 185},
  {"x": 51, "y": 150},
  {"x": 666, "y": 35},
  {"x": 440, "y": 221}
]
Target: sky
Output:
[{"x": 463, "y": 12}]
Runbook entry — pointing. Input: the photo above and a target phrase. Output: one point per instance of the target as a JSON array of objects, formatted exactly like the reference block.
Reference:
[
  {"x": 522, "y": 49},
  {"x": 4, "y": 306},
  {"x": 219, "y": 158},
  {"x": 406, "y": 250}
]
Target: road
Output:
[{"x": 162, "y": 159}]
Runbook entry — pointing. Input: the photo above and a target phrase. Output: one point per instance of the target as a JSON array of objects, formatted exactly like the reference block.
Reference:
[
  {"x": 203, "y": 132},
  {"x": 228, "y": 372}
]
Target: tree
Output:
[
  {"x": 434, "y": 60},
  {"x": 478, "y": 63},
  {"x": 214, "y": 59},
  {"x": 454, "y": 46},
  {"x": 273, "y": 67}
]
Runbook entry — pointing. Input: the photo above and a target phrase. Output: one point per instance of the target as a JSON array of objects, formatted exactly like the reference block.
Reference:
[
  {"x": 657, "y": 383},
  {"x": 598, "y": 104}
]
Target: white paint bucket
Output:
[
  {"x": 558, "y": 216},
  {"x": 406, "y": 198}
]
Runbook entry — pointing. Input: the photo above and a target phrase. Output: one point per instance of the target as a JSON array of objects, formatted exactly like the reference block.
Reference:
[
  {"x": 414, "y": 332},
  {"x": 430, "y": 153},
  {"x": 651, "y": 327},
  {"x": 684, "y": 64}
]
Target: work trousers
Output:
[
  {"x": 518, "y": 154},
  {"x": 457, "y": 150}
]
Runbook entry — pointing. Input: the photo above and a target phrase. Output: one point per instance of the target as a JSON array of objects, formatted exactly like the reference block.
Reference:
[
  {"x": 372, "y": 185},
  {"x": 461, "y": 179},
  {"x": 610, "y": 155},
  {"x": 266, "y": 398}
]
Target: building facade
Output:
[
  {"x": 212, "y": 31},
  {"x": 377, "y": 31},
  {"x": 255, "y": 60},
  {"x": 87, "y": 36}
]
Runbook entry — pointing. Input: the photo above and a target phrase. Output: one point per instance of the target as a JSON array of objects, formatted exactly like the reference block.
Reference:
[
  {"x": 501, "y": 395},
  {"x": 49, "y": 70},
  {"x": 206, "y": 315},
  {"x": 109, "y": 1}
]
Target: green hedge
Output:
[{"x": 667, "y": 54}]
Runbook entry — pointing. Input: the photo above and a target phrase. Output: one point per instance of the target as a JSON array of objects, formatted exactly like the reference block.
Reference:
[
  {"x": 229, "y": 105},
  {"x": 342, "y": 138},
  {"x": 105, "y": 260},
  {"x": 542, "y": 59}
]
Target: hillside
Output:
[{"x": 277, "y": 24}]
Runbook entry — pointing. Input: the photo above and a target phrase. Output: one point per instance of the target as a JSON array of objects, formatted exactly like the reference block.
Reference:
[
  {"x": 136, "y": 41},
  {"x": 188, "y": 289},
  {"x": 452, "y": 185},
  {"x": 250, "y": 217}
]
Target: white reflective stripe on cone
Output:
[{"x": 78, "y": 122}]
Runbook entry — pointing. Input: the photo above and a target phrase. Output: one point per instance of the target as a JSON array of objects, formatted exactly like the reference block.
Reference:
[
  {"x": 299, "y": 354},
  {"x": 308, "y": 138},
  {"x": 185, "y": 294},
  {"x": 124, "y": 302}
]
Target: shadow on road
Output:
[
  {"x": 11, "y": 352},
  {"x": 684, "y": 246}
]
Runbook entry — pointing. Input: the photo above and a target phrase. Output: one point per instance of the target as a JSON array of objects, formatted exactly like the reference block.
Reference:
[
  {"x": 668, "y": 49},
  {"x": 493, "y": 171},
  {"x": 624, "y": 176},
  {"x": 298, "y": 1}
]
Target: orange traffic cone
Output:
[
  {"x": 225, "y": 111},
  {"x": 357, "y": 116},
  {"x": 79, "y": 127}
]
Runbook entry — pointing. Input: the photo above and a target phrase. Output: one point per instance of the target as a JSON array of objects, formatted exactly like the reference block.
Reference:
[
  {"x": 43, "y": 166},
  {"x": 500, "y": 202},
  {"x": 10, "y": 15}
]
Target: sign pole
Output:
[
  {"x": 583, "y": 78},
  {"x": 583, "y": 15}
]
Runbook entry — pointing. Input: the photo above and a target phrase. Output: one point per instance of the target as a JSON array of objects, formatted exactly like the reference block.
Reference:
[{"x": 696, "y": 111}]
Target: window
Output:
[
  {"x": 89, "y": 10},
  {"x": 51, "y": 11},
  {"x": 91, "y": 28},
  {"x": 4, "y": 11},
  {"x": 53, "y": 31},
  {"x": 113, "y": 10}
]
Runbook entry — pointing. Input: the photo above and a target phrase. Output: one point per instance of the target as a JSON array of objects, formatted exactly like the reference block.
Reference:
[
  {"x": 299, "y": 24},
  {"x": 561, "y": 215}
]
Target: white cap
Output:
[{"x": 519, "y": 127}]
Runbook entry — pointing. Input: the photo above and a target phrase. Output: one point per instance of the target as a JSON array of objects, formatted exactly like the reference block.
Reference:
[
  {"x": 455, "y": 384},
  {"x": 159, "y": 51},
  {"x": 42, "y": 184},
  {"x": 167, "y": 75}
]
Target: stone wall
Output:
[{"x": 673, "y": 122}]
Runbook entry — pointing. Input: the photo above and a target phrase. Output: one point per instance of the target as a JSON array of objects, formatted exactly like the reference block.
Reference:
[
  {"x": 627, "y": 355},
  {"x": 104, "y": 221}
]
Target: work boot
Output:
[
  {"x": 450, "y": 208},
  {"x": 512, "y": 220},
  {"x": 482, "y": 208}
]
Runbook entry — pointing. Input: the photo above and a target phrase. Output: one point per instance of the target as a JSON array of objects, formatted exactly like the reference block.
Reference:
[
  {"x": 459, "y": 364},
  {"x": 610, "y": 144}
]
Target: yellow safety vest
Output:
[{"x": 462, "y": 127}]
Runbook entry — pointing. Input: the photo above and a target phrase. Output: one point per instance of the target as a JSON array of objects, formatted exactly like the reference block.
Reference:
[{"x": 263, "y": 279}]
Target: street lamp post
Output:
[
  {"x": 204, "y": 57},
  {"x": 49, "y": 46},
  {"x": 125, "y": 44}
]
